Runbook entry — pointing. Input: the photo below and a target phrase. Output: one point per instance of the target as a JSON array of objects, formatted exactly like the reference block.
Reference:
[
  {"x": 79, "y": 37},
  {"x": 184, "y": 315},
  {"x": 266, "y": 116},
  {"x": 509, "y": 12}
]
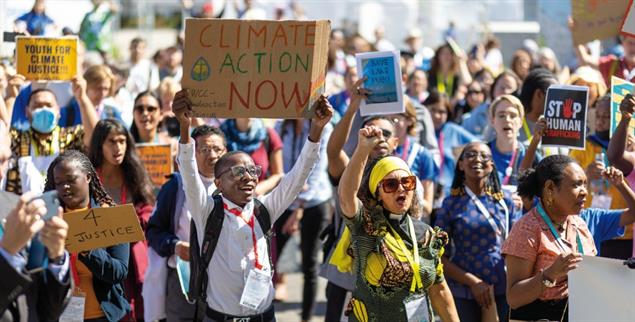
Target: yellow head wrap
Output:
[{"x": 382, "y": 168}]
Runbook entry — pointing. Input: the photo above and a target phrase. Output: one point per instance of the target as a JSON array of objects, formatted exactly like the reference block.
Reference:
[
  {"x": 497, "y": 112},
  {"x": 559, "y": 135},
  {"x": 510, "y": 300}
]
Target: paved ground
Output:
[{"x": 289, "y": 311}]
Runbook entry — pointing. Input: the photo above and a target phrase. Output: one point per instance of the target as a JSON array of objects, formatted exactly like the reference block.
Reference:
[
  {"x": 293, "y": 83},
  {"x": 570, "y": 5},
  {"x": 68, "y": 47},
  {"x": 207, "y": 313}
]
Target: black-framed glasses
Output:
[
  {"x": 150, "y": 108},
  {"x": 239, "y": 171},
  {"x": 472, "y": 155},
  {"x": 391, "y": 185}
]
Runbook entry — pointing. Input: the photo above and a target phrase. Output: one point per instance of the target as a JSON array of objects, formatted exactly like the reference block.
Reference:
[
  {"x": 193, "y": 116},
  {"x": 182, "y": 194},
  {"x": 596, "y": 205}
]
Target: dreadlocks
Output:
[
  {"x": 492, "y": 188},
  {"x": 96, "y": 189}
]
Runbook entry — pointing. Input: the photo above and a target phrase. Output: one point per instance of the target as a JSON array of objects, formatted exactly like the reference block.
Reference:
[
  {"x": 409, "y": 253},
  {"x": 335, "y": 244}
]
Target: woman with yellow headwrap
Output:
[{"x": 398, "y": 268}]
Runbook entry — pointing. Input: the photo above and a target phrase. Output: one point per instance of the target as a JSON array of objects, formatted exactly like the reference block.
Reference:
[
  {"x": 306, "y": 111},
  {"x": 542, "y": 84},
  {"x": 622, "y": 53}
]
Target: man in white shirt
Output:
[{"x": 239, "y": 274}]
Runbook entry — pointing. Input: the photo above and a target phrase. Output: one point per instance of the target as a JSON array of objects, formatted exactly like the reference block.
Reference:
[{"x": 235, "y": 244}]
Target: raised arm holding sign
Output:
[{"x": 565, "y": 113}]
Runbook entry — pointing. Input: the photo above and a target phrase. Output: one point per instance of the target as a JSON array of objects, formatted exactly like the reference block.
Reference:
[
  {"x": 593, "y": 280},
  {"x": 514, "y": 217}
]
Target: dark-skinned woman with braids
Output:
[
  {"x": 113, "y": 154},
  {"x": 98, "y": 273},
  {"x": 477, "y": 217},
  {"x": 549, "y": 241},
  {"x": 398, "y": 268}
]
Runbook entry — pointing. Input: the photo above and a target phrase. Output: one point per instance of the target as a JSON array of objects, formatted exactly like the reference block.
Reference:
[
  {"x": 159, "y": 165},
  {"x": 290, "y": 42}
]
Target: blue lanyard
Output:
[{"x": 555, "y": 233}]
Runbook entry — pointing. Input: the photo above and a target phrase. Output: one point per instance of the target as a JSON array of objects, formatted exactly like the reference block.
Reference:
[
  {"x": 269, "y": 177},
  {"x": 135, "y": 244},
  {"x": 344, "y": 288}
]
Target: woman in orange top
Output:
[
  {"x": 98, "y": 273},
  {"x": 549, "y": 241}
]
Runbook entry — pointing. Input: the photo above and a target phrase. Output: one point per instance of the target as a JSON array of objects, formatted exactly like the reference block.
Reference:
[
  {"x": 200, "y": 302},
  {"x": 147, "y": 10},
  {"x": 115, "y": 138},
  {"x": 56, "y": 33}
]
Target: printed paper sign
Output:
[
  {"x": 50, "y": 59},
  {"x": 628, "y": 26},
  {"x": 597, "y": 19},
  {"x": 102, "y": 227},
  {"x": 565, "y": 112},
  {"x": 384, "y": 83},
  {"x": 619, "y": 89},
  {"x": 601, "y": 289},
  {"x": 255, "y": 68},
  {"x": 157, "y": 159}
]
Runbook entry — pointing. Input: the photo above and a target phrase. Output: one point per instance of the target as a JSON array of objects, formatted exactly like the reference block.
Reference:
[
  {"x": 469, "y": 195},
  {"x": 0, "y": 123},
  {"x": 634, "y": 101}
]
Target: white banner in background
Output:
[{"x": 602, "y": 289}]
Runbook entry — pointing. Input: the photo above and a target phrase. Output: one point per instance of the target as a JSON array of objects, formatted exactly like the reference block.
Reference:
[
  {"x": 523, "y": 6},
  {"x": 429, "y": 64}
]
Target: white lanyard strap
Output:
[{"x": 497, "y": 229}]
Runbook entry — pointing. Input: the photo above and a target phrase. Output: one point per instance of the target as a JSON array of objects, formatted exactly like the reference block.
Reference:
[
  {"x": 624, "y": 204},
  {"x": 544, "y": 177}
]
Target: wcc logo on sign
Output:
[{"x": 565, "y": 113}]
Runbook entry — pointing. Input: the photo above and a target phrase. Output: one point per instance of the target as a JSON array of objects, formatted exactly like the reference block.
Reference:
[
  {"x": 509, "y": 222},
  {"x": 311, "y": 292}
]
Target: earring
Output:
[{"x": 549, "y": 200}]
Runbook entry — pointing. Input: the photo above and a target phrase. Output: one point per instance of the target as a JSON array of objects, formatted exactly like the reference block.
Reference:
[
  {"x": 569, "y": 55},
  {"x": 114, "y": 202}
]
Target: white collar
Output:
[
  {"x": 247, "y": 210},
  {"x": 395, "y": 216}
]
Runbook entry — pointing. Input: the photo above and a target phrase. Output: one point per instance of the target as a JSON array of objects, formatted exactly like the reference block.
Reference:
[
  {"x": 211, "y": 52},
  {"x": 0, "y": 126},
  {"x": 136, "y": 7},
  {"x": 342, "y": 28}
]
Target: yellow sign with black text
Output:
[{"x": 49, "y": 59}]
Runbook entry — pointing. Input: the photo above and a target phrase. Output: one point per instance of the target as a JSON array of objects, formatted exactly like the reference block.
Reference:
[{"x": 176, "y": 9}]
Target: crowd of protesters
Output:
[{"x": 451, "y": 209}]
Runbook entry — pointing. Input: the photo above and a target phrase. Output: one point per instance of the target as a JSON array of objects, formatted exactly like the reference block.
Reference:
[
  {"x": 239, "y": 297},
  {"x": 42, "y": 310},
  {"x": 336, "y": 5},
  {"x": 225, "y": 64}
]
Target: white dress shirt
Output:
[
  {"x": 234, "y": 255},
  {"x": 182, "y": 225}
]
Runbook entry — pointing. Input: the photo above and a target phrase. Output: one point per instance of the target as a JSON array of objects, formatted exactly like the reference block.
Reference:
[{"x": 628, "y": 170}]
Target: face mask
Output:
[
  {"x": 44, "y": 120},
  {"x": 604, "y": 135}
]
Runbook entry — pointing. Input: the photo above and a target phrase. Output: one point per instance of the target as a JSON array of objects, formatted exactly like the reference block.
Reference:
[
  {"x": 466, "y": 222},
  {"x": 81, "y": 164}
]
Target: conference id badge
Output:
[
  {"x": 601, "y": 201},
  {"x": 74, "y": 311},
  {"x": 417, "y": 308},
  {"x": 256, "y": 289}
]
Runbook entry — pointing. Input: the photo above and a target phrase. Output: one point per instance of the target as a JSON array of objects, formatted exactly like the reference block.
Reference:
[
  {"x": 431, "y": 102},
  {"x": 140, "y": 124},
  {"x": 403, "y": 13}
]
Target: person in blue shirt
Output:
[
  {"x": 35, "y": 22},
  {"x": 506, "y": 115},
  {"x": 477, "y": 216},
  {"x": 418, "y": 158},
  {"x": 450, "y": 136}
]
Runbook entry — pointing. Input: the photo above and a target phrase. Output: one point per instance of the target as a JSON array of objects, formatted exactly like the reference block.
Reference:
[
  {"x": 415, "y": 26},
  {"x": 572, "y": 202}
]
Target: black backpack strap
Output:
[
  {"x": 264, "y": 220},
  {"x": 200, "y": 257}
]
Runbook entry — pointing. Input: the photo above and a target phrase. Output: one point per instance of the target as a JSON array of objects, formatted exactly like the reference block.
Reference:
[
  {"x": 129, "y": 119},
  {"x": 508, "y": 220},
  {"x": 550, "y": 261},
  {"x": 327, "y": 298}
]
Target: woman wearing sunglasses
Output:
[
  {"x": 477, "y": 218},
  {"x": 398, "y": 268},
  {"x": 147, "y": 117}
]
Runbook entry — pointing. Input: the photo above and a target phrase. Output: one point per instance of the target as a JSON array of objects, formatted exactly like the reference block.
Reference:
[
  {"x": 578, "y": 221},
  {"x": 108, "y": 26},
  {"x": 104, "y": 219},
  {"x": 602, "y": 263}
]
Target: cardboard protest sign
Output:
[
  {"x": 384, "y": 83},
  {"x": 102, "y": 227},
  {"x": 565, "y": 112},
  {"x": 43, "y": 58},
  {"x": 619, "y": 88},
  {"x": 628, "y": 25},
  {"x": 157, "y": 159},
  {"x": 254, "y": 68},
  {"x": 597, "y": 19}
]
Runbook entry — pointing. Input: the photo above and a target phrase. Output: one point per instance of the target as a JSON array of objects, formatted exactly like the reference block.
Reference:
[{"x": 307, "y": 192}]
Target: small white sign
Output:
[{"x": 384, "y": 83}]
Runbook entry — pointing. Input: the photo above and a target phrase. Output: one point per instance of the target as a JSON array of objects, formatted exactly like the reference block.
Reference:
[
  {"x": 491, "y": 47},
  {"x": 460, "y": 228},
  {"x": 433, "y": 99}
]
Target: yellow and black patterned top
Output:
[
  {"x": 384, "y": 277},
  {"x": 27, "y": 143}
]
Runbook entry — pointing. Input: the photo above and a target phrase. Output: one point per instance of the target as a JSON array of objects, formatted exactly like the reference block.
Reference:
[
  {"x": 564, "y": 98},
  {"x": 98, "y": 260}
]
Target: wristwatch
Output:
[{"x": 546, "y": 281}]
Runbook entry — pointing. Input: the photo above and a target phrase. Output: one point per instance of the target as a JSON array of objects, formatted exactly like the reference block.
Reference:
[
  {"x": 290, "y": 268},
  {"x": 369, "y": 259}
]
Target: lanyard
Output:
[
  {"x": 497, "y": 229},
  {"x": 527, "y": 131},
  {"x": 414, "y": 262},
  {"x": 441, "y": 84},
  {"x": 74, "y": 269},
  {"x": 405, "y": 152},
  {"x": 555, "y": 233},
  {"x": 251, "y": 224},
  {"x": 510, "y": 168}
]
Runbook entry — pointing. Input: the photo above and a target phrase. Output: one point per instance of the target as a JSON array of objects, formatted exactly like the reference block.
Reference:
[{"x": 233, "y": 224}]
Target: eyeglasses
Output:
[
  {"x": 391, "y": 185},
  {"x": 470, "y": 92},
  {"x": 472, "y": 155},
  {"x": 239, "y": 171},
  {"x": 208, "y": 150},
  {"x": 141, "y": 108}
]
